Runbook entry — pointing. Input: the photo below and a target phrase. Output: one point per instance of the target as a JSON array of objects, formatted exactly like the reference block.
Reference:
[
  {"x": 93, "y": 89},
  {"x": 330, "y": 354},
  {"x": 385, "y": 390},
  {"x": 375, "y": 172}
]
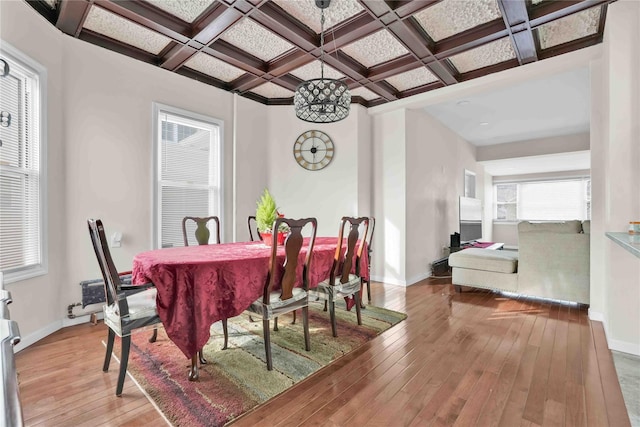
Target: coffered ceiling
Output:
[{"x": 383, "y": 50}]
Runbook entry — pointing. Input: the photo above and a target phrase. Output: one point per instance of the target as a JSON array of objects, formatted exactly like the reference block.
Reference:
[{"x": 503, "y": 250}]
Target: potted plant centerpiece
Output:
[{"x": 266, "y": 214}]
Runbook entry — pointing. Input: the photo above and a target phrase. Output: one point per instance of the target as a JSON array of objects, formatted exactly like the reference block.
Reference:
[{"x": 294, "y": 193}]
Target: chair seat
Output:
[
  {"x": 142, "y": 312},
  {"x": 278, "y": 306},
  {"x": 339, "y": 289}
]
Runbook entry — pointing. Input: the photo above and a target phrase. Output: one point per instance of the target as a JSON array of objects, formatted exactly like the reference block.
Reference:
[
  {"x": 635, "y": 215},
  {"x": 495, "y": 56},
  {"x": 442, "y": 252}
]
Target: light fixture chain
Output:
[{"x": 322, "y": 44}]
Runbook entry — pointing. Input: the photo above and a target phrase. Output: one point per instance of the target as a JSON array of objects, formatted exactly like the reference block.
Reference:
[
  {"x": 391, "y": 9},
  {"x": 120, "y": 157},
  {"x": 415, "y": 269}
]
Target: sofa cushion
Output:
[
  {"x": 586, "y": 227},
  {"x": 485, "y": 259},
  {"x": 567, "y": 227}
]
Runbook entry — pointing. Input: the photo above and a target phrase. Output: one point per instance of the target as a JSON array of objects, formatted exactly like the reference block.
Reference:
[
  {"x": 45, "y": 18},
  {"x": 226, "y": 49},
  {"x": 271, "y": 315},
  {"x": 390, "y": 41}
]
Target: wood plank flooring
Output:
[{"x": 460, "y": 359}]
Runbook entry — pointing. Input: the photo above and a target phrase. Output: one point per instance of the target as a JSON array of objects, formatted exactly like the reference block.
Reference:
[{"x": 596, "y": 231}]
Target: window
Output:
[
  {"x": 560, "y": 200},
  {"x": 22, "y": 166},
  {"x": 187, "y": 171}
]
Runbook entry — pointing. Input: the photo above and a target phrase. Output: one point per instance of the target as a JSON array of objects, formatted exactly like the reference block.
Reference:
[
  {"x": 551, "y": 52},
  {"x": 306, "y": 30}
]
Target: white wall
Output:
[
  {"x": 251, "y": 165},
  {"x": 340, "y": 189},
  {"x": 535, "y": 147},
  {"x": 436, "y": 158},
  {"x": 615, "y": 165},
  {"x": 37, "y": 303},
  {"x": 389, "y": 183},
  {"x": 419, "y": 166}
]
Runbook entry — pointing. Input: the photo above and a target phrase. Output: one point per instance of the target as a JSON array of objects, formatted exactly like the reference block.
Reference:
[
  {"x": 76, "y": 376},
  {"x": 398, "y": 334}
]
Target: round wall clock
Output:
[{"x": 313, "y": 150}]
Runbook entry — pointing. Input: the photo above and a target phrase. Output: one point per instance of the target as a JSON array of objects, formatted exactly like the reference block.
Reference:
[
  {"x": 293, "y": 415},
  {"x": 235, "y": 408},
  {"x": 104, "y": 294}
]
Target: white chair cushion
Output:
[
  {"x": 278, "y": 306},
  {"x": 341, "y": 289},
  {"x": 141, "y": 305}
]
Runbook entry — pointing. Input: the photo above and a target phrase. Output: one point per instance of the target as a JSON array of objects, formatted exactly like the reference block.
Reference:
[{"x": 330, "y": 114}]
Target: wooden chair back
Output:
[
  {"x": 372, "y": 223},
  {"x": 112, "y": 283},
  {"x": 343, "y": 260},
  {"x": 253, "y": 226},
  {"x": 202, "y": 232},
  {"x": 292, "y": 247}
]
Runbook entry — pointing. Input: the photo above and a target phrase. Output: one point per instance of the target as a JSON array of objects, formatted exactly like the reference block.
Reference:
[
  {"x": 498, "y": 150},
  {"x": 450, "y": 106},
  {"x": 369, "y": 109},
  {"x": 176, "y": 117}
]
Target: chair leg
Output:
[
  {"x": 358, "y": 315},
  {"x": 154, "y": 336},
  {"x": 294, "y": 317},
  {"x": 275, "y": 325},
  {"x": 267, "y": 342},
  {"x": 201, "y": 358},
  {"x": 325, "y": 305},
  {"x": 226, "y": 333},
  {"x": 107, "y": 357},
  {"x": 305, "y": 323},
  {"x": 124, "y": 361},
  {"x": 369, "y": 289},
  {"x": 332, "y": 315}
]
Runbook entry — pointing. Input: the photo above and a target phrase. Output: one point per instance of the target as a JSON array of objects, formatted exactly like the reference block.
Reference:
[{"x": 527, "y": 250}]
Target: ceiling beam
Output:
[
  {"x": 516, "y": 19},
  {"x": 117, "y": 46},
  {"x": 407, "y": 32},
  {"x": 548, "y": 11},
  {"x": 71, "y": 16},
  {"x": 148, "y": 16}
]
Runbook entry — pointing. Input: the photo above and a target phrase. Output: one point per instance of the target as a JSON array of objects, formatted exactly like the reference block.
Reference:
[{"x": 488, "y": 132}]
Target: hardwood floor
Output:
[{"x": 460, "y": 359}]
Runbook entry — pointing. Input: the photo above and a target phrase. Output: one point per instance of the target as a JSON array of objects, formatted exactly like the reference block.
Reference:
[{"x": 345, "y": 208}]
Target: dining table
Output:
[{"x": 200, "y": 285}]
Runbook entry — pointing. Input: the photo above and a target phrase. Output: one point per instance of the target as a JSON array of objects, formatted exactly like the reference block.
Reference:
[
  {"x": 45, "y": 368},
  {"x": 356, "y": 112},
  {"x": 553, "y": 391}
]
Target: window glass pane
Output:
[
  {"x": 188, "y": 172},
  {"x": 178, "y": 202},
  {"x": 186, "y": 158},
  {"x": 507, "y": 211},
  {"x": 506, "y": 193},
  {"x": 21, "y": 254}
]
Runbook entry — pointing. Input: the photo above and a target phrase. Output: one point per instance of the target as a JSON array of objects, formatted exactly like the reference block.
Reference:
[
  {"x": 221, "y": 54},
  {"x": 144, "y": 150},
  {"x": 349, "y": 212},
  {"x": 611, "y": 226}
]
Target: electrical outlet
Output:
[{"x": 116, "y": 239}]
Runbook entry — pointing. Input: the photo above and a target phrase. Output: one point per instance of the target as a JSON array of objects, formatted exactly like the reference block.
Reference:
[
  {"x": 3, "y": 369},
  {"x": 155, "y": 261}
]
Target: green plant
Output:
[{"x": 266, "y": 212}]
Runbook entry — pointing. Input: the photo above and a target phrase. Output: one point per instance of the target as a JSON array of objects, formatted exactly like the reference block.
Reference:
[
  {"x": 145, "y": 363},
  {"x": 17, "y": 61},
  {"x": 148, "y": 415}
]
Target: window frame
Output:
[
  {"x": 7, "y": 51},
  {"x": 158, "y": 110}
]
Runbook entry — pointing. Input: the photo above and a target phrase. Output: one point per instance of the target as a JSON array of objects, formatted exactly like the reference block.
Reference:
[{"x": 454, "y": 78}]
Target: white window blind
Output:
[
  {"x": 561, "y": 200},
  {"x": 188, "y": 171},
  {"x": 21, "y": 210}
]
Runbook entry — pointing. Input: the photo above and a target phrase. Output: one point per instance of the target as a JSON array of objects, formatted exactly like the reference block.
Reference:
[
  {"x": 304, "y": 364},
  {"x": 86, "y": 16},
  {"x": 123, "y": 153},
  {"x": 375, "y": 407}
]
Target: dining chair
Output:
[
  {"x": 127, "y": 308},
  {"x": 280, "y": 294},
  {"x": 202, "y": 235},
  {"x": 253, "y": 226},
  {"x": 372, "y": 223},
  {"x": 341, "y": 282}
]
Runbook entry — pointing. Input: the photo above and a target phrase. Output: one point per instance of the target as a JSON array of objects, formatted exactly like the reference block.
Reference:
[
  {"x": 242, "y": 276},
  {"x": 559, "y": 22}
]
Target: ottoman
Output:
[{"x": 485, "y": 268}]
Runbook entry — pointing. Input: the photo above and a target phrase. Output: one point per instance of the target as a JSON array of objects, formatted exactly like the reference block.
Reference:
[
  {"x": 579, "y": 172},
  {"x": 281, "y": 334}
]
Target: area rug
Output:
[{"x": 236, "y": 380}]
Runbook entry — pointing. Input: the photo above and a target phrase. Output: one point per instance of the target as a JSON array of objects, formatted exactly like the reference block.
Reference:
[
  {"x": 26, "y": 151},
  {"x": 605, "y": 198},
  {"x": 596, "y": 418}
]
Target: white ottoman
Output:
[{"x": 485, "y": 268}]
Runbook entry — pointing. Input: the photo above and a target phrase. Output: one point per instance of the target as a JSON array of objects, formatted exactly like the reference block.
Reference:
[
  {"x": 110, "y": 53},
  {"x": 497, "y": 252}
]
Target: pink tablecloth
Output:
[{"x": 200, "y": 285}]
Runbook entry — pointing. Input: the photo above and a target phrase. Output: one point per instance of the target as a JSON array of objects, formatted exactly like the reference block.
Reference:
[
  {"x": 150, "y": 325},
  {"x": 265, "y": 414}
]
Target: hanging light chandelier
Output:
[{"x": 322, "y": 100}]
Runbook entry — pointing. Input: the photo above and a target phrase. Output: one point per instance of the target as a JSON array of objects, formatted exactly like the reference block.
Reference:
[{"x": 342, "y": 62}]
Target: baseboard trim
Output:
[
  {"x": 596, "y": 315},
  {"x": 26, "y": 341},
  {"x": 389, "y": 280},
  {"x": 624, "y": 347},
  {"x": 85, "y": 318},
  {"x": 418, "y": 278}
]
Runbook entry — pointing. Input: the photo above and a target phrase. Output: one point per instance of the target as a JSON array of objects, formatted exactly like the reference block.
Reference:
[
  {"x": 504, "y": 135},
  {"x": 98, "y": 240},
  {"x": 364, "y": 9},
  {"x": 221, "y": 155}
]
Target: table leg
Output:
[{"x": 193, "y": 372}]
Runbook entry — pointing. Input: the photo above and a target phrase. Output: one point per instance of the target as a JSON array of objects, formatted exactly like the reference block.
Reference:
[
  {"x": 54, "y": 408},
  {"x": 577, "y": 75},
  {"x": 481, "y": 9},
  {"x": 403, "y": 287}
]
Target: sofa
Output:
[{"x": 552, "y": 261}]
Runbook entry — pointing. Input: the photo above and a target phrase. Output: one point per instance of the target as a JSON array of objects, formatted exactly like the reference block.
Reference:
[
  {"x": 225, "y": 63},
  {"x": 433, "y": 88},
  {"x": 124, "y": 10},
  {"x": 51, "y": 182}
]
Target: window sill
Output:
[{"x": 27, "y": 273}]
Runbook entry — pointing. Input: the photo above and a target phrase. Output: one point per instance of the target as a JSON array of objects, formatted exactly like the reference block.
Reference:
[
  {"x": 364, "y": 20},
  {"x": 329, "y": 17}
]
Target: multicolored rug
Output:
[{"x": 236, "y": 380}]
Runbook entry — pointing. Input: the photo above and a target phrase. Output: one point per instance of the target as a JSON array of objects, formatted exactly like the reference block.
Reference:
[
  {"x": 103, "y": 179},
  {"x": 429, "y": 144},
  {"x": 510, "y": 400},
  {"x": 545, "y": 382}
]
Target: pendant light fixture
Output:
[{"x": 322, "y": 100}]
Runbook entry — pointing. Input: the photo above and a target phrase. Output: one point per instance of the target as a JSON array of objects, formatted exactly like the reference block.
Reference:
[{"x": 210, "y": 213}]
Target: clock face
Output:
[{"x": 313, "y": 150}]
